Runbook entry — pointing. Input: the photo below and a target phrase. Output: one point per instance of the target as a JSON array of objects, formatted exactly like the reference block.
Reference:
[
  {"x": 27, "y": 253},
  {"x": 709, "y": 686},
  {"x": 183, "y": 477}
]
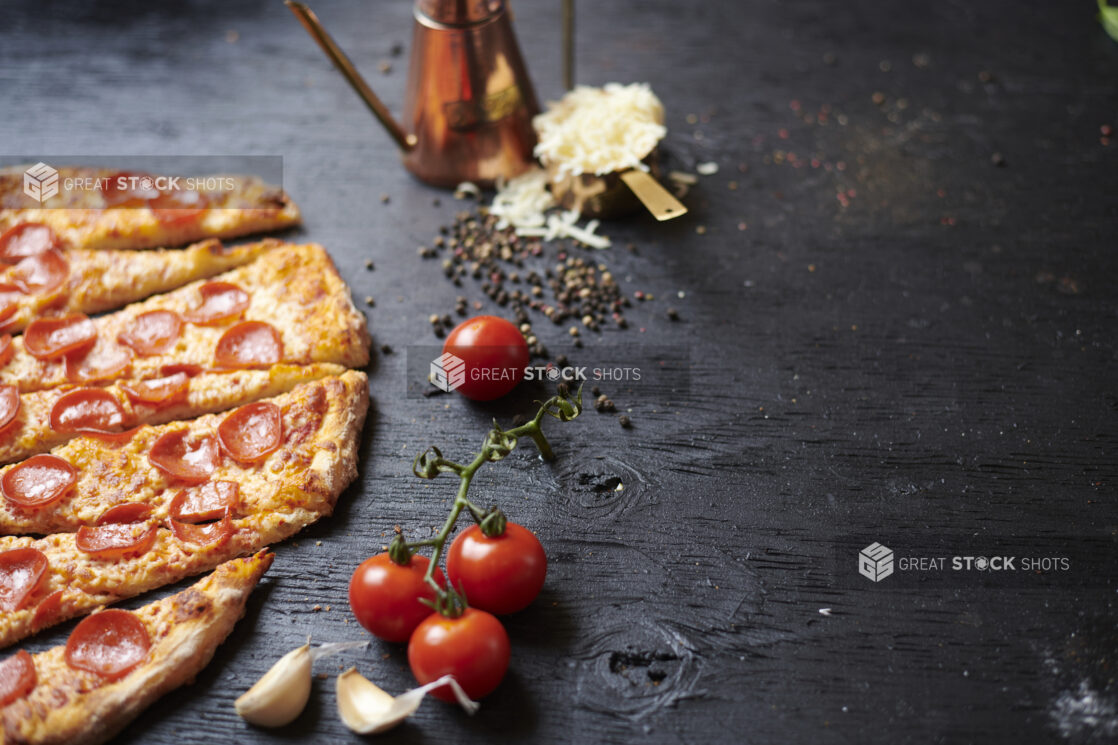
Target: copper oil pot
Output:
[{"x": 469, "y": 103}]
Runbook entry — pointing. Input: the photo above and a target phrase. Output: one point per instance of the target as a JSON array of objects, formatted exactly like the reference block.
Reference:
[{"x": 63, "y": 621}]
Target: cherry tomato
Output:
[
  {"x": 501, "y": 575},
  {"x": 495, "y": 355},
  {"x": 473, "y": 647},
  {"x": 385, "y": 596}
]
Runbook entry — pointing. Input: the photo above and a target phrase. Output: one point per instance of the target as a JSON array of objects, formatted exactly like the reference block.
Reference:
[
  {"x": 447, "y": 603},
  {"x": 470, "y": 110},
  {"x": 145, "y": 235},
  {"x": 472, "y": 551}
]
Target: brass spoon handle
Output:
[
  {"x": 653, "y": 195},
  {"x": 314, "y": 27}
]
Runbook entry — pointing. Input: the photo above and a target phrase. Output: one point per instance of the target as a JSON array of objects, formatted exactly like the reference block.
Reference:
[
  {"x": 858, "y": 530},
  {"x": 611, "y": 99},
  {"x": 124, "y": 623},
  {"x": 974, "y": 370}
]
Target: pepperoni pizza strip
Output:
[
  {"x": 35, "y": 422},
  {"x": 136, "y": 210},
  {"x": 196, "y": 507},
  {"x": 287, "y": 307},
  {"x": 248, "y": 451},
  {"x": 40, "y": 277},
  {"x": 116, "y": 663}
]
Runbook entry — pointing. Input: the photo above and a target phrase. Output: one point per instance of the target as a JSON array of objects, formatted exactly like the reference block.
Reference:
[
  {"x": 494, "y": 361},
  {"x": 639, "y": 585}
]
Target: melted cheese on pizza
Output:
[
  {"x": 69, "y": 705},
  {"x": 103, "y": 280},
  {"x": 292, "y": 487},
  {"x": 295, "y": 289},
  {"x": 37, "y": 427},
  {"x": 81, "y": 217}
]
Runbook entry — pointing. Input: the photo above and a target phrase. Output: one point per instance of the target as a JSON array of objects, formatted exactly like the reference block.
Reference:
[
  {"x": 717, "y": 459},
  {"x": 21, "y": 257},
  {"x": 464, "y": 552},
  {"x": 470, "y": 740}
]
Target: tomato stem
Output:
[{"x": 498, "y": 443}]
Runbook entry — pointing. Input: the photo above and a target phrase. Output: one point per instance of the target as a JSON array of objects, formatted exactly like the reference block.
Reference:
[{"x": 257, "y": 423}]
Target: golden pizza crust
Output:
[
  {"x": 291, "y": 488},
  {"x": 104, "y": 280},
  {"x": 70, "y": 706},
  {"x": 207, "y": 392},
  {"x": 80, "y": 219},
  {"x": 295, "y": 288}
]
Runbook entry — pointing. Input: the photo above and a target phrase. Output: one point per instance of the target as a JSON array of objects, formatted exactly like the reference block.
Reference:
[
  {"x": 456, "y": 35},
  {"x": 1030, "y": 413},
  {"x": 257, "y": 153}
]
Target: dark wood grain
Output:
[{"x": 936, "y": 356}]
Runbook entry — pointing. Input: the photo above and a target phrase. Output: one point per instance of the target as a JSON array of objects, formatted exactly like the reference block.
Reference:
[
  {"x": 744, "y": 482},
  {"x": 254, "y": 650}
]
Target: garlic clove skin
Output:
[
  {"x": 368, "y": 710},
  {"x": 281, "y": 694}
]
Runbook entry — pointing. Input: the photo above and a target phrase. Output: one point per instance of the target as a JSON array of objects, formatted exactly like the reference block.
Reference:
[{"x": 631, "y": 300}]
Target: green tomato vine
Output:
[{"x": 498, "y": 443}]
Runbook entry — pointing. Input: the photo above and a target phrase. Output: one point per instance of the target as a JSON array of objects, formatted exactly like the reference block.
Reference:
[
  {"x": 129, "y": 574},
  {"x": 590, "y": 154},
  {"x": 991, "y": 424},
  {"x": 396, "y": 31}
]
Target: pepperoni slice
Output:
[
  {"x": 6, "y": 349},
  {"x": 47, "y": 611},
  {"x": 206, "y": 502},
  {"x": 115, "y": 540},
  {"x": 191, "y": 460},
  {"x": 86, "y": 410},
  {"x": 10, "y": 299},
  {"x": 249, "y": 344},
  {"x": 103, "y": 362},
  {"x": 27, "y": 239},
  {"x": 220, "y": 302},
  {"x": 129, "y": 189},
  {"x": 152, "y": 332},
  {"x": 124, "y": 514},
  {"x": 17, "y": 677},
  {"x": 212, "y": 534},
  {"x": 186, "y": 368},
  {"x": 9, "y": 405},
  {"x": 41, "y": 274},
  {"x": 178, "y": 207},
  {"x": 114, "y": 439},
  {"x": 22, "y": 572},
  {"x": 51, "y": 338},
  {"x": 251, "y": 432},
  {"x": 109, "y": 643},
  {"x": 158, "y": 392},
  {"x": 38, "y": 481}
]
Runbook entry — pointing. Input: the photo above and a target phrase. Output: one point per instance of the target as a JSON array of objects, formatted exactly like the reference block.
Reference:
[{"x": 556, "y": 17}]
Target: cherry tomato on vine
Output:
[
  {"x": 502, "y": 574},
  {"x": 384, "y": 595},
  {"x": 473, "y": 647},
  {"x": 495, "y": 355}
]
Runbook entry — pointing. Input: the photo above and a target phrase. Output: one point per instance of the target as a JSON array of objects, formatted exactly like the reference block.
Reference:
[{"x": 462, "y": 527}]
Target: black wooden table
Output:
[{"x": 897, "y": 323}]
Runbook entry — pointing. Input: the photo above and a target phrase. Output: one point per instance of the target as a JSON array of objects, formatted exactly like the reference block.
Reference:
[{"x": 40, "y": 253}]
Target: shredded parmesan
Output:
[
  {"x": 600, "y": 130},
  {"x": 523, "y": 201},
  {"x": 524, "y": 204},
  {"x": 467, "y": 189}
]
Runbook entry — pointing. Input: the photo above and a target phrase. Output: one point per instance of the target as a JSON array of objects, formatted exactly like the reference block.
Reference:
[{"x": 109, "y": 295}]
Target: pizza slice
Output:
[
  {"x": 117, "y": 662},
  {"x": 173, "y": 501},
  {"x": 41, "y": 277},
  {"x": 121, "y": 209},
  {"x": 35, "y": 422},
  {"x": 287, "y": 307}
]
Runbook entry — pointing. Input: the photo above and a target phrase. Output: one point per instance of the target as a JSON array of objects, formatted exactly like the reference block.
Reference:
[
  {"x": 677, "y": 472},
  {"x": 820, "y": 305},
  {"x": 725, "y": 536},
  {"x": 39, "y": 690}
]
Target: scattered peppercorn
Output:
[
  {"x": 369, "y": 301},
  {"x": 603, "y": 404},
  {"x": 673, "y": 314},
  {"x": 625, "y": 421},
  {"x": 386, "y": 349},
  {"x": 502, "y": 262},
  {"x": 369, "y": 264}
]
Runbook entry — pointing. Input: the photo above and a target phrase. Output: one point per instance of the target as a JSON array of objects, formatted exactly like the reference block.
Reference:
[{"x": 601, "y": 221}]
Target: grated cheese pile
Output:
[
  {"x": 599, "y": 130},
  {"x": 523, "y": 203}
]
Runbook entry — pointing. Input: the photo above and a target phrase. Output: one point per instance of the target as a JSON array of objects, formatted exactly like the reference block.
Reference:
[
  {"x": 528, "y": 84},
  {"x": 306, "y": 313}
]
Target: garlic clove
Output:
[
  {"x": 282, "y": 693},
  {"x": 367, "y": 709}
]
